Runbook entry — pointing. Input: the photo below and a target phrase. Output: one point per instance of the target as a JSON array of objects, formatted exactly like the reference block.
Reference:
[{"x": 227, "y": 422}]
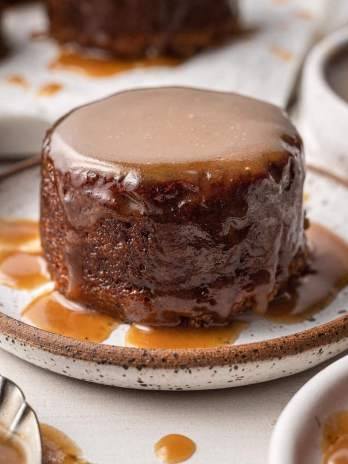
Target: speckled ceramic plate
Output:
[
  {"x": 298, "y": 434},
  {"x": 264, "y": 351}
]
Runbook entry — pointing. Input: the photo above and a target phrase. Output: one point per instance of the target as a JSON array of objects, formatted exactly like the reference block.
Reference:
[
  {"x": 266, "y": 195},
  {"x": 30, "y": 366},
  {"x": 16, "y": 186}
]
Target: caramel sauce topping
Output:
[
  {"x": 11, "y": 451},
  {"x": 335, "y": 439},
  {"x": 180, "y": 337},
  {"x": 311, "y": 293},
  {"x": 174, "y": 448},
  {"x": 172, "y": 128},
  {"x": 56, "y": 314},
  {"x": 58, "y": 448},
  {"x": 48, "y": 90},
  {"x": 101, "y": 66}
]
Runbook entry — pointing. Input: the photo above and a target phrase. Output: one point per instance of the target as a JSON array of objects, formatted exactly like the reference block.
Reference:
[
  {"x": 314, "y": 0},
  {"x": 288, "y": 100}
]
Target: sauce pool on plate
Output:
[
  {"x": 57, "y": 448},
  {"x": 326, "y": 276},
  {"x": 23, "y": 271},
  {"x": 19, "y": 234},
  {"x": 335, "y": 439},
  {"x": 175, "y": 338},
  {"x": 99, "y": 66},
  {"x": 11, "y": 451},
  {"x": 56, "y": 314}
]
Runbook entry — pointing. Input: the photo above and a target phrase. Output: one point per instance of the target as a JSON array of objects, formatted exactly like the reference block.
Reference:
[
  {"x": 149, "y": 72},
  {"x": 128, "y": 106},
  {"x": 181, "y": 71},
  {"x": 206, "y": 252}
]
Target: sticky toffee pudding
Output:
[
  {"x": 173, "y": 206},
  {"x": 133, "y": 29}
]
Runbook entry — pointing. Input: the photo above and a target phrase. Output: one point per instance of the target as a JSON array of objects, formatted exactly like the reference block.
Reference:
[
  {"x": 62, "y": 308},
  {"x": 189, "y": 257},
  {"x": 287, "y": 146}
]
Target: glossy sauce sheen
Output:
[
  {"x": 18, "y": 235},
  {"x": 174, "y": 448},
  {"x": 58, "y": 448},
  {"x": 54, "y": 313},
  {"x": 99, "y": 66},
  {"x": 328, "y": 274},
  {"x": 335, "y": 439},
  {"x": 23, "y": 270},
  {"x": 21, "y": 265},
  {"x": 176, "y": 338},
  {"x": 337, "y": 73},
  {"x": 11, "y": 452},
  {"x": 142, "y": 128}
]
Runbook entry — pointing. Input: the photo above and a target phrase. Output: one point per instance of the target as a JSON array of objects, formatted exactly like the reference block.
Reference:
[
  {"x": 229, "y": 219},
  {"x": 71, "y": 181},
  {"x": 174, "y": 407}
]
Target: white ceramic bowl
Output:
[
  {"x": 323, "y": 115},
  {"x": 298, "y": 433}
]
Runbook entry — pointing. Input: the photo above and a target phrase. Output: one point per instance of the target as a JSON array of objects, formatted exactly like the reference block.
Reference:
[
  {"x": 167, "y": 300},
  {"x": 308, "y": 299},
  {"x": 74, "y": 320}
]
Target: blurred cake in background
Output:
[{"x": 140, "y": 28}]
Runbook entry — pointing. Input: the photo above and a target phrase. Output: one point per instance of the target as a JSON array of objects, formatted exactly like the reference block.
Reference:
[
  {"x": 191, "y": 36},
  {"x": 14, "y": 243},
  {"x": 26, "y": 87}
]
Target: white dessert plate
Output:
[
  {"x": 298, "y": 434},
  {"x": 263, "y": 351}
]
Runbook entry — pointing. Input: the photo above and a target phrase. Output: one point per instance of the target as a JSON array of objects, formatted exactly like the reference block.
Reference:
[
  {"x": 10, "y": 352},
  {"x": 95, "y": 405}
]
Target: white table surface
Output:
[
  {"x": 121, "y": 426},
  {"x": 229, "y": 426}
]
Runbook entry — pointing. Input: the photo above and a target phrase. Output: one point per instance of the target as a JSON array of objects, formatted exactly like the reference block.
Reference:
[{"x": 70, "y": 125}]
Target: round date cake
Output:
[{"x": 170, "y": 206}]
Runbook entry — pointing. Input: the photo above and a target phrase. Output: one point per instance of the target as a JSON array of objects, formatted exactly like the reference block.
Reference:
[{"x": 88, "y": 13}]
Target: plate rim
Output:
[
  {"x": 125, "y": 357},
  {"x": 226, "y": 355}
]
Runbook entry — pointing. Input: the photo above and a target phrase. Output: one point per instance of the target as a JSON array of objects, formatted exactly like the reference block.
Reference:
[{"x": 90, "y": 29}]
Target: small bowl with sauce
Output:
[
  {"x": 323, "y": 112},
  {"x": 313, "y": 427}
]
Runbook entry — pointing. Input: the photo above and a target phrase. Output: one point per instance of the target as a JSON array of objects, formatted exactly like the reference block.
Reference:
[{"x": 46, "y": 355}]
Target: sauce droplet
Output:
[
  {"x": 182, "y": 337},
  {"x": 58, "y": 448},
  {"x": 282, "y": 53},
  {"x": 48, "y": 90},
  {"x": 174, "y": 448},
  {"x": 23, "y": 271},
  {"x": 335, "y": 439},
  {"x": 54, "y": 313},
  {"x": 11, "y": 452},
  {"x": 307, "y": 15},
  {"x": 17, "y": 79},
  {"x": 101, "y": 66},
  {"x": 311, "y": 293}
]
